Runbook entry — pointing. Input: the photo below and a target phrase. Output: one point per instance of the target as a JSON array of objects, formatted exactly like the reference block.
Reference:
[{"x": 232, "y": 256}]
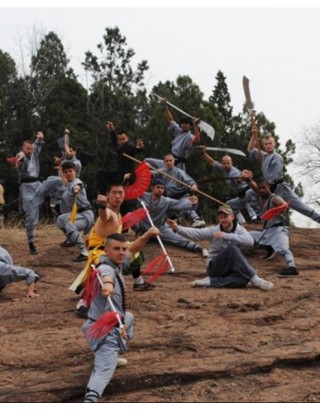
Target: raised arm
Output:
[{"x": 166, "y": 111}]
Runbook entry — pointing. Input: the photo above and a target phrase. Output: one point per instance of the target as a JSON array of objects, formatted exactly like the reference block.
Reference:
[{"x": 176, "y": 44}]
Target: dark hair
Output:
[
  {"x": 68, "y": 165},
  {"x": 263, "y": 180},
  {"x": 73, "y": 147},
  {"x": 112, "y": 184},
  {"x": 158, "y": 181},
  {"x": 186, "y": 120},
  {"x": 116, "y": 237},
  {"x": 123, "y": 132}
]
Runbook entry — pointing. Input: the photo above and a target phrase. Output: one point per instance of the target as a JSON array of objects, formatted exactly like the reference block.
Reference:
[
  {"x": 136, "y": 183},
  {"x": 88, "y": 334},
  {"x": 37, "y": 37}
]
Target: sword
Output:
[
  {"x": 204, "y": 126},
  {"x": 231, "y": 150}
]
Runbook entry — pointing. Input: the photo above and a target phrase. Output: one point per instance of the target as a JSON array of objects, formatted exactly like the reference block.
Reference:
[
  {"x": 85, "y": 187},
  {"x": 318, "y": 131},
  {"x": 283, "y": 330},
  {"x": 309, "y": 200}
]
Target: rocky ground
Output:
[{"x": 190, "y": 345}]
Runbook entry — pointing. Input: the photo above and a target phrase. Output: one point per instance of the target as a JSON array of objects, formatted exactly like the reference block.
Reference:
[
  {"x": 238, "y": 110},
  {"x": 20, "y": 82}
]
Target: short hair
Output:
[
  {"x": 186, "y": 120},
  {"x": 73, "y": 147},
  {"x": 68, "y": 165},
  {"x": 27, "y": 142},
  {"x": 267, "y": 136},
  {"x": 112, "y": 184},
  {"x": 123, "y": 132},
  {"x": 120, "y": 237},
  {"x": 263, "y": 180},
  {"x": 158, "y": 181}
]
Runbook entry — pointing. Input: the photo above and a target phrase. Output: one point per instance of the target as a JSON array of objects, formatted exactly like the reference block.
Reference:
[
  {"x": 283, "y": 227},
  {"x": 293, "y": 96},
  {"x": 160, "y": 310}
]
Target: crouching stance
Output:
[
  {"x": 227, "y": 266},
  {"x": 111, "y": 297},
  {"x": 10, "y": 273}
]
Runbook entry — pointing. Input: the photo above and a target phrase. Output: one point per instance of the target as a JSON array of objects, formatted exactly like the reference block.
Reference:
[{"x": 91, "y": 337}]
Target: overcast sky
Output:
[{"x": 278, "y": 49}]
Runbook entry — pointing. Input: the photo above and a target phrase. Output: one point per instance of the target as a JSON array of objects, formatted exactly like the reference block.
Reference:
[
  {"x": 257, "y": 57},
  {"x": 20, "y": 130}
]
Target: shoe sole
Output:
[{"x": 288, "y": 276}]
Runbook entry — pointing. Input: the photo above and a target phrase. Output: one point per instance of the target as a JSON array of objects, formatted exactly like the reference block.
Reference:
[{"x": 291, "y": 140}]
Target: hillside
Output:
[{"x": 190, "y": 345}]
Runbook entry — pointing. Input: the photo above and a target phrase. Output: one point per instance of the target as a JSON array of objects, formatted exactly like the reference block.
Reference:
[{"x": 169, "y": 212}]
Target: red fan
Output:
[
  {"x": 12, "y": 160},
  {"x": 106, "y": 322},
  {"x": 271, "y": 213},
  {"x": 132, "y": 218},
  {"x": 157, "y": 266},
  {"x": 141, "y": 183}
]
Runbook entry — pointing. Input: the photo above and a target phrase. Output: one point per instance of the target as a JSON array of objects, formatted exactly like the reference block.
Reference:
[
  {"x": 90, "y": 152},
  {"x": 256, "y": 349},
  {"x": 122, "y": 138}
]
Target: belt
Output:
[
  {"x": 91, "y": 248},
  {"x": 88, "y": 208},
  {"x": 28, "y": 180}
]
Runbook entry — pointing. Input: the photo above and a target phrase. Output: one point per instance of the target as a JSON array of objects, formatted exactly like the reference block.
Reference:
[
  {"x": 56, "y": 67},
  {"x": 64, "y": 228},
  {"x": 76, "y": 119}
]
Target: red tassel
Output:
[
  {"x": 106, "y": 322},
  {"x": 157, "y": 266},
  {"x": 271, "y": 213},
  {"x": 91, "y": 287},
  {"x": 12, "y": 160},
  {"x": 132, "y": 218}
]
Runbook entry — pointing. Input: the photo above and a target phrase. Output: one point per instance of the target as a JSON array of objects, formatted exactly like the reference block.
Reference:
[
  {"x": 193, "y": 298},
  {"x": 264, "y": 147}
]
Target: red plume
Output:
[
  {"x": 106, "y": 322},
  {"x": 157, "y": 266},
  {"x": 271, "y": 213},
  {"x": 91, "y": 287},
  {"x": 12, "y": 160},
  {"x": 132, "y": 218},
  {"x": 141, "y": 183}
]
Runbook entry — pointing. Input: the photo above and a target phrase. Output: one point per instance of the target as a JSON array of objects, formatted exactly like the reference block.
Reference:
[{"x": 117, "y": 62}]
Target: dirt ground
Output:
[{"x": 190, "y": 345}]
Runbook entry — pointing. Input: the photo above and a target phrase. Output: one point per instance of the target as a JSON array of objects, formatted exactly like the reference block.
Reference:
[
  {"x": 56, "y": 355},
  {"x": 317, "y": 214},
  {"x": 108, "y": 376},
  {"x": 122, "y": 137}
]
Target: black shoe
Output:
[
  {"x": 143, "y": 287},
  {"x": 271, "y": 254},
  {"x": 32, "y": 249},
  {"x": 81, "y": 258},
  {"x": 290, "y": 272},
  {"x": 67, "y": 244},
  {"x": 82, "y": 312}
]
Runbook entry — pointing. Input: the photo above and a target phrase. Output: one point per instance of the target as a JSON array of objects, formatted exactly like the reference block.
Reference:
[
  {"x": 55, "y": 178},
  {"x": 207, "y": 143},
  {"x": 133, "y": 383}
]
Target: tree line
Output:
[{"x": 49, "y": 97}]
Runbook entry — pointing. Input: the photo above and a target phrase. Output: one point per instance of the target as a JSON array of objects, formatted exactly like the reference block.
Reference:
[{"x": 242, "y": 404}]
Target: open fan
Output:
[{"x": 141, "y": 182}]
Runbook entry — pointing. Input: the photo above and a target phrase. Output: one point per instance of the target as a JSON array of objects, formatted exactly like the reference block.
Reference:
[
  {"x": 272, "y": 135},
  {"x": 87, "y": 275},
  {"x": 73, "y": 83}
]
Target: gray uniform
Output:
[
  {"x": 32, "y": 191},
  {"x": 158, "y": 212},
  {"x": 275, "y": 233},
  {"x": 272, "y": 170},
  {"x": 238, "y": 187},
  {"x": 182, "y": 146},
  {"x": 107, "y": 347},
  {"x": 10, "y": 273},
  {"x": 178, "y": 191},
  {"x": 226, "y": 265},
  {"x": 84, "y": 219}
]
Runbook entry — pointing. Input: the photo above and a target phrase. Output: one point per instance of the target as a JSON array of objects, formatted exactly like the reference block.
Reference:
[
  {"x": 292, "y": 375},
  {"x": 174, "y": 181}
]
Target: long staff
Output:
[
  {"x": 177, "y": 180},
  {"x": 158, "y": 237}
]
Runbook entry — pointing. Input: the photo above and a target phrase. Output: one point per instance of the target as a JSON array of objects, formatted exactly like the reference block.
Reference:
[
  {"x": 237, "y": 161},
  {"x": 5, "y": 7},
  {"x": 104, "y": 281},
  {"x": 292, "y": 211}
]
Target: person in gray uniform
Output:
[
  {"x": 275, "y": 233},
  {"x": 159, "y": 207},
  {"x": 273, "y": 170},
  {"x": 32, "y": 192},
  {"x": 237, "y": 181},
  {"x": 226, "y": 265},
  {"x": 11, "y": 273},
  {"x": 175, "y": 190},
  {"x": 107, "y": 347},
  {"x": 183, "y": 143},
  {"x": 74, "y": 195}
]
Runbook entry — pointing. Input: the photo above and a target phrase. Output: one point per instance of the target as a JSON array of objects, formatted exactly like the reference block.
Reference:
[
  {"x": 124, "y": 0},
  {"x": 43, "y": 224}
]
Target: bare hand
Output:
[
  {"x": 102, "y": 200},
  {"x": 139, "y": 144},
  {"x": 39, "y": 135},
  {"x": 66, "y": 131},
  {"x": 218, "y": 235},
  {"x": 153, "y": 231},
  {"x": 76, "y": 189},
  {"x": 193, "y": 199},
  {"x": 173, "y": 224},
  {"x": 107, "y": 289}
]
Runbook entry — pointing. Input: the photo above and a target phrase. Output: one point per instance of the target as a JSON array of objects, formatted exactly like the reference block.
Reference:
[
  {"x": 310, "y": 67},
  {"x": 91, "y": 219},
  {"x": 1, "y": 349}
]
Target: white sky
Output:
[{"x": 277, "y": 48}]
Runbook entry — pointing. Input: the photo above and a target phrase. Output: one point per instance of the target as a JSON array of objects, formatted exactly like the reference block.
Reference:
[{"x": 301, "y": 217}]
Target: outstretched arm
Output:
[
  {"x": 209, "y": 160},
  {"x": 139, "y": 243}
]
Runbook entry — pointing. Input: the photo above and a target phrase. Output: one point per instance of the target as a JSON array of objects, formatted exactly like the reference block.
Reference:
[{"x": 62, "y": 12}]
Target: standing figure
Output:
[
  {"x": 112, "y": 294},
  {"x": 275, "y": 232},
  {"x": 273, "y": 170},
  {"x": 183, "y": 142},
  {"x": 32, "y": 191}
]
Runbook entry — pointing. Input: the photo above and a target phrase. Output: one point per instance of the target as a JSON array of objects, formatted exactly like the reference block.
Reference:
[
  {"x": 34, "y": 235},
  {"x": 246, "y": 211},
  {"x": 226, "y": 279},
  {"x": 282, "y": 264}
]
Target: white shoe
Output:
[
  {"x": 198, "y": 223},
  {"x": 205, "y": 253},
  {"x": 263, "y": 284},
  {"x": 121, "y": 361},
  {"x": 202, "y": 283}
]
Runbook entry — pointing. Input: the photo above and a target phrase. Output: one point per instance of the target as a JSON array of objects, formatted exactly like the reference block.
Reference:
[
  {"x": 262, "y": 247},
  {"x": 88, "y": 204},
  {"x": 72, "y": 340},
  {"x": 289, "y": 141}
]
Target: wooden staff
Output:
[{"x": 177, "y": 180}]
